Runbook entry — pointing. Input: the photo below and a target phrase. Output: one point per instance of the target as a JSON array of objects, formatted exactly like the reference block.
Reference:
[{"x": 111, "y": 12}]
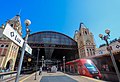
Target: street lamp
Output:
[
  {"x": 29, "y": 60},
  {"x": 109, "y": 48},
  {"x": 27, "y": 23},
  {"x": 64, "y": 63},
  {"x": 37, "y": 63},
  {"x": 57, "y": 64},
  {"x": 3, "y": 26},
  {"x": 42, "y": 61}
]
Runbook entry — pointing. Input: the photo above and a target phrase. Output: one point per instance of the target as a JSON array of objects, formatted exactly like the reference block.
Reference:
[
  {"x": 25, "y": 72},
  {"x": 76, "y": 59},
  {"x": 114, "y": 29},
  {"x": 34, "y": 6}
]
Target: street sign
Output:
[
  {"x": 28, "y": 49},
  {"x": 13, "y": 35}
]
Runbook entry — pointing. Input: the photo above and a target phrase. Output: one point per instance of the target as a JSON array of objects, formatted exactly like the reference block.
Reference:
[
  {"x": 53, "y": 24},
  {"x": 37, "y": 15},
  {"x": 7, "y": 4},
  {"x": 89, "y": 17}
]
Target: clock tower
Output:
[{"x": 85, "y": 41}]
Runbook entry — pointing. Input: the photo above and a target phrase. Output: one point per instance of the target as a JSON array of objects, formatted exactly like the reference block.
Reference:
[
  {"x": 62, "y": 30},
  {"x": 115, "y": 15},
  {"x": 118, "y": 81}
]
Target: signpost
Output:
[{"x": 15, "y": 37}]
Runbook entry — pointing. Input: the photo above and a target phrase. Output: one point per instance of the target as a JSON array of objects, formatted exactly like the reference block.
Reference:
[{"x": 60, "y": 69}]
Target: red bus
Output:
[{"x": 83, "y": 67}]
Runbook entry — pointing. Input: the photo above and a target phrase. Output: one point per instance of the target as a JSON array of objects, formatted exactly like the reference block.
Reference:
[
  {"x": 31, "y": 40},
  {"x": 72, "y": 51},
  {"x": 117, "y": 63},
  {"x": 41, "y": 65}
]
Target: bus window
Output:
[
  {"x": 90, "y": 67},
  {"x": 76, "y": 67}
]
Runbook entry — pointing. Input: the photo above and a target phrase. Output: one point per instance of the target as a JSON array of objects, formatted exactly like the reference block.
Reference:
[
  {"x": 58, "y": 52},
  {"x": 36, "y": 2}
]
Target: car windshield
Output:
[{"x": 90, "y": 67}]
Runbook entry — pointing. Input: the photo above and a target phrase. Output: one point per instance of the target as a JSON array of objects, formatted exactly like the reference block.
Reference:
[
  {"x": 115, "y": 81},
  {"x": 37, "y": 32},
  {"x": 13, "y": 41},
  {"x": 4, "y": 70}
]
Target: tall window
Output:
[{"x": 85, "y": 32}]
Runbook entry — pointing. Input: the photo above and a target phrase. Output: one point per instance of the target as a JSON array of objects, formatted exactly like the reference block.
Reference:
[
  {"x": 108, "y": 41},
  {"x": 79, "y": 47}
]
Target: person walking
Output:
[{"x": 40, "y": 71}]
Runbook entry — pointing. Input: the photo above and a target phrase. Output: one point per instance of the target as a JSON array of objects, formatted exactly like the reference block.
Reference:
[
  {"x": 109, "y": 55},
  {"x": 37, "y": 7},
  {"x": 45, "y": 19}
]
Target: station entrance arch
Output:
[{"x": 53, "y": 46}]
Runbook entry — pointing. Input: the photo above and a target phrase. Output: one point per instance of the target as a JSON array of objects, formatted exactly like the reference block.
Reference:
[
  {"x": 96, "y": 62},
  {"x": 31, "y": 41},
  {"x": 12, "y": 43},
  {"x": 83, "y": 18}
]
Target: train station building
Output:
[
  {"x": 48, "y": 44},
  {"x": 8, "y": 49},
  {"x": 52, "y": 46}
]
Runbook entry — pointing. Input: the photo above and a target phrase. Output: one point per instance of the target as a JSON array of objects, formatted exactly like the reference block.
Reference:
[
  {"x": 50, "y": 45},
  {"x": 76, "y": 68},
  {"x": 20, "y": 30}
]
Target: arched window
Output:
[
  {"x": 2, "y": 45},
  {"x": 87, "y": 50},
  {"x": 80, "y": 34},
  {"x": 85, "y": 32},
  {"x": 91, "y": 51},
  {"x": 6, "y": 46},
  {"x": 89, "y": 43},
  {"x": 11, "y": 25}
]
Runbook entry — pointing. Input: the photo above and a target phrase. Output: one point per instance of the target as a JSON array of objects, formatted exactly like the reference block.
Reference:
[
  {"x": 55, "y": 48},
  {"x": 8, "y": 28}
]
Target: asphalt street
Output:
[{"x": 62, "y": 78}]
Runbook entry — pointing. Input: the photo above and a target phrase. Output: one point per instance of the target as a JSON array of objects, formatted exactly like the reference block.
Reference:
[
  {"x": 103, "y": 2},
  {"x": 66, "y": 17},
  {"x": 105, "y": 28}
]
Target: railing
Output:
[
  {"x": 7, "y": 76},
  {"x": 8, "y": 73}
]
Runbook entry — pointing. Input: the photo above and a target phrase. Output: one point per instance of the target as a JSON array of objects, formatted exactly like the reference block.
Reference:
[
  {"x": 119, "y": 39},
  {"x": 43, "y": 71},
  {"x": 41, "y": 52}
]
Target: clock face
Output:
[
  {"x": 29, "y": 59},
  {"x": 81, "y": 43}
]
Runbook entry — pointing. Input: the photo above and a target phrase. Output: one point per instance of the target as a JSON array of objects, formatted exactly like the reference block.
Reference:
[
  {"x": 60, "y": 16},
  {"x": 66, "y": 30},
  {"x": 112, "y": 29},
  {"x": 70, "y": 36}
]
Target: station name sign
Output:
[
  {"x": 28, "y": 49},
  {"x": 13, "y": 35}
]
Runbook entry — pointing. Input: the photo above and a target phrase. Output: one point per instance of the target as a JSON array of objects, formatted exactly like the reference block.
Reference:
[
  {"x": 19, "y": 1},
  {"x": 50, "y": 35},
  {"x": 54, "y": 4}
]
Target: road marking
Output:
[{"x": 26, "y": 77}]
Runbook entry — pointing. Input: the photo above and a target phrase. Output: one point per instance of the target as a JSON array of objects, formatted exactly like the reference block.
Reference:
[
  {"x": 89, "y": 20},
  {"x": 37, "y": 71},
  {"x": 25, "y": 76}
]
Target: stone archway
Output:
[{"x": 9, "y": 64}]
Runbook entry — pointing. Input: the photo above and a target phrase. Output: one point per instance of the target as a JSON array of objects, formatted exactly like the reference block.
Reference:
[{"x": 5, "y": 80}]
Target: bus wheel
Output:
[{"x": 97, "y": 77}]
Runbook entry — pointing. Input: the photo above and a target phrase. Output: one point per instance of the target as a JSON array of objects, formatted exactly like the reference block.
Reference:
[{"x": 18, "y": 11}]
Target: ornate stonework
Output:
[
  {"x": 85, "y": 40},
  {"x": 8, "y": 49}
]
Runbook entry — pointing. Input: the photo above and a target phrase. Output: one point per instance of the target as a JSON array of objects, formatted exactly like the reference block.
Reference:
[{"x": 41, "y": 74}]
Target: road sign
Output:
[
  {"x": 13, "y": 35},
  {"x": 28, "y": 49}
]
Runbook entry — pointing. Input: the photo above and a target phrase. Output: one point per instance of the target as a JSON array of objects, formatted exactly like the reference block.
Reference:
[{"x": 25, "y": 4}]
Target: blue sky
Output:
[{"x": 64, "y": 16}]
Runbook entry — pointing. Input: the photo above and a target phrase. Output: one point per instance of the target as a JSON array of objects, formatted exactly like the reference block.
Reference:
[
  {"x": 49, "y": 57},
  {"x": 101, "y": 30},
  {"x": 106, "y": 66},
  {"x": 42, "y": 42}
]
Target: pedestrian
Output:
[
  {"x": 60, "y": 68},
  {"x": 40, "y": 71},
  {"x": 47, "y": 69}
]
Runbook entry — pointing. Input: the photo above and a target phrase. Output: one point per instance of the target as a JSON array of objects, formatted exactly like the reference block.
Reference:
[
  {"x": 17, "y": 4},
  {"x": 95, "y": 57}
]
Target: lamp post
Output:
[
  {"x": 27, "y": 23},
  {"x": 64, "y": 63},
  {"x": 42, "y": 61},
  {"x": 37, "y": 63},
  {"x": 57, "y": 64},
  {"x": 109, "y": 48}
]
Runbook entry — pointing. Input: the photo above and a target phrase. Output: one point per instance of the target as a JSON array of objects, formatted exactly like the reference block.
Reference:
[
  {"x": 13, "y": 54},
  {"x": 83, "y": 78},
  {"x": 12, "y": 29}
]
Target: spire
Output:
[
  {"x": 82, "y": 25},
  {"x": 76, "y": 31},
  {"x": 19, "y": 12},
  {"x": 16, "y": 19},
  {"x": 15, "y": 22}
]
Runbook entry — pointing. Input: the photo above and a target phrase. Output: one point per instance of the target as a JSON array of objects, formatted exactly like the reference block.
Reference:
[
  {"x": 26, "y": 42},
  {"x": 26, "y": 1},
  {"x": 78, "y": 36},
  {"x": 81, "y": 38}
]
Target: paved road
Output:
[
  {"x": 56, "y": 77},
  {"x": 62, "y": 78}
]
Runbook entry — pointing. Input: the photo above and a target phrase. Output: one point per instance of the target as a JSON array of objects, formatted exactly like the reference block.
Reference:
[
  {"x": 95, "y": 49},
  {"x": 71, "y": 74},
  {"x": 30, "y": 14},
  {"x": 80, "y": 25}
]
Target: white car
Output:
[{"x": 54, "y": 69}]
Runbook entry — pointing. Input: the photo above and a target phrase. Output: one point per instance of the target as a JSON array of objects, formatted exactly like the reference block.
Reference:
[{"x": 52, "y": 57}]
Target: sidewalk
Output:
[{"x": 31, "y": 78}]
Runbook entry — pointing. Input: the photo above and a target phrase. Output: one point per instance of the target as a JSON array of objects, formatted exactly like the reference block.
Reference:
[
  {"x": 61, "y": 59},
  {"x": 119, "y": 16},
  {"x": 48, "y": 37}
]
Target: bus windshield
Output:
[{"x": 90, "y": 67}]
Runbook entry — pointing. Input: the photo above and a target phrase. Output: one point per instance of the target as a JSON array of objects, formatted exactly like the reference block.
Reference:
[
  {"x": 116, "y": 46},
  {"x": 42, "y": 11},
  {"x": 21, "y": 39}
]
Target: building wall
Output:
[
  {"x": 8, "y": 49},
  {"x": 3, "y": 50},
  {"x": 8, "y": 53},
  {"x": 103, "y": 54},
  {"x": 103, "y": 50}
]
